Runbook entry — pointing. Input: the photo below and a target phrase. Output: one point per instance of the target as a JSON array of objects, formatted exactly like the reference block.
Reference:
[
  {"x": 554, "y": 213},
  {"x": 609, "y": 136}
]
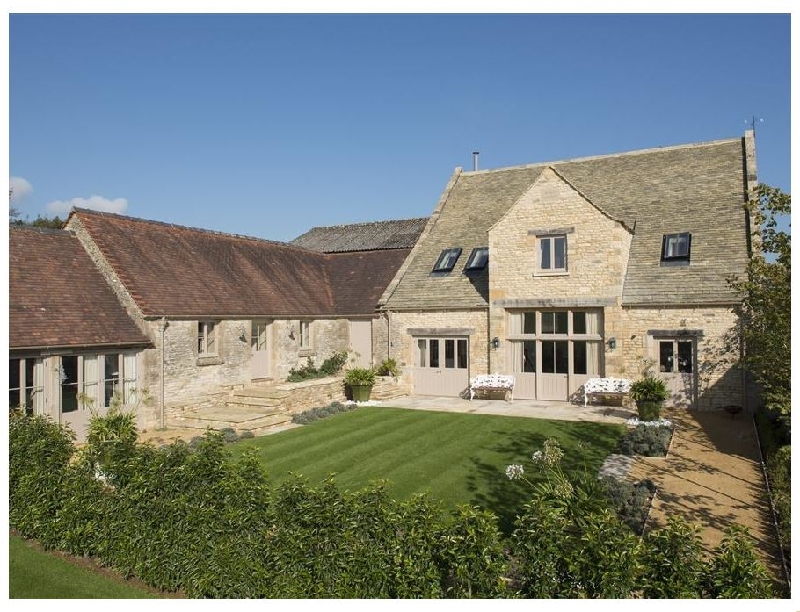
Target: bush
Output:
[
  {"x": 647, "y": 441},
  {"x": 779, "y": 471},
  {"x": 315, "y": 414},
  {"x": 631, "y": 501},
  {"x": 332, "y": 365},
  {"x": 672, "y": 562},
  {"x": 736, "y": 572},
  {"x": 388, "y": 367}
]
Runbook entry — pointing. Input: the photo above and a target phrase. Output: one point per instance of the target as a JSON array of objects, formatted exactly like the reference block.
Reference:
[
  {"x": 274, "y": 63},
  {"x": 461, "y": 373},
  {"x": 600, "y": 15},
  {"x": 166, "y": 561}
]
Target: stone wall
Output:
[
  {"x": 719, "y": 379},
  {"x": 597, "y": 256},
  {"x": 403, "y": 347}
]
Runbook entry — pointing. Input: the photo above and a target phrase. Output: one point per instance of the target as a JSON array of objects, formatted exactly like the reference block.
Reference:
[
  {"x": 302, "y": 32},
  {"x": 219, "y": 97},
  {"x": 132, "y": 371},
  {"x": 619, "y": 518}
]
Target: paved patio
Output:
[{"x": 537, "y": 409}]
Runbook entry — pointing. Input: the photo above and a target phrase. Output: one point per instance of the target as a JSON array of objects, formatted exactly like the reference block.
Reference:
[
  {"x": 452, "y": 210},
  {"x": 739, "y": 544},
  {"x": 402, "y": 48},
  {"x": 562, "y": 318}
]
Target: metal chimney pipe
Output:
[{"x": 475, "y": 160}]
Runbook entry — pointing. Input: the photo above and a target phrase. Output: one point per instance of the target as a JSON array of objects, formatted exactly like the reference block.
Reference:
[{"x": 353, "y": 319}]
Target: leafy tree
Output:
[
  {"x": 766, "y": 292},
  {"x": 40, "y": 221}
]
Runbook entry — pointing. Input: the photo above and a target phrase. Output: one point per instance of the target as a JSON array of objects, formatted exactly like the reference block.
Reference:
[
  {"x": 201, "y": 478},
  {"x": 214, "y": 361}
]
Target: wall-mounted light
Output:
[
  {"x": 242, "y": 334},
  {"x": 291, "y": 332},
  {"x": 612, "y": 343},
  {"x": 495, "y": 343}
]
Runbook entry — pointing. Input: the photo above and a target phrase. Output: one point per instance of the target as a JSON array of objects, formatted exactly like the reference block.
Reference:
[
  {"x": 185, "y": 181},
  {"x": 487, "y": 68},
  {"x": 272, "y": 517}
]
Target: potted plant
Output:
[
  {"x": 360, "y": 382},
  {"x": 649, "y": 393}
]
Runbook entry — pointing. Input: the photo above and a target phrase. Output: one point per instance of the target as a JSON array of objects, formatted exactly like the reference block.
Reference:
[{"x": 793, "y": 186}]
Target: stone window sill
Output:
[{"x": 308, "y": 352}]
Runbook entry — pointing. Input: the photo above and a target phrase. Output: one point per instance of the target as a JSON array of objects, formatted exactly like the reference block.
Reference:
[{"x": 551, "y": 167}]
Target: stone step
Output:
[
  {"x": 256, "y": 424},
  {"x": 262, "y": 392},
  {"x": 261, "y": 402}
]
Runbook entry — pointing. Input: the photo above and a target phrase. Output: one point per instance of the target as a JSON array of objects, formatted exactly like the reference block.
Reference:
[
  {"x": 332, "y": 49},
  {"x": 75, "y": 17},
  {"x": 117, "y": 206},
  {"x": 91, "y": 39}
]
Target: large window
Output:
[
  {"x": 97, "y": 380},
  {"x": 555, "y": 341},
  {"x": 206, "y": 338},
  {"x": 552, "y": 254}
]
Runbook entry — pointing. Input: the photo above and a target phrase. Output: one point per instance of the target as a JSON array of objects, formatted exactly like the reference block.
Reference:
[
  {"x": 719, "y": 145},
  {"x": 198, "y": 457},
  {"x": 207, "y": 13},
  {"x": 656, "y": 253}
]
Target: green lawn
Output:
[
  {"x": 35, "y": 574},
  {"x": 458, "y": 458}
]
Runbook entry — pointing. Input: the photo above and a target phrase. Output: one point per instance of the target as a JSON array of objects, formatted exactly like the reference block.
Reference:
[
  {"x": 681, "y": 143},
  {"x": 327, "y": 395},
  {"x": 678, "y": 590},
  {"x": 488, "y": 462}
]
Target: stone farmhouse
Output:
[
  {"x": 553, "y": 272},
  {"x": 195, "y": 313},
  {"x": 557, "y": 272}
]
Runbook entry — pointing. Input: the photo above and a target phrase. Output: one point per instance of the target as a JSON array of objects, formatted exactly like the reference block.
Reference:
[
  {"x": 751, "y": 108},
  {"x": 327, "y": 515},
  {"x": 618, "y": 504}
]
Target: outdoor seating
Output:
[
  {"x": 492, "y": 382},
  {"x": 605, "y": 386}
]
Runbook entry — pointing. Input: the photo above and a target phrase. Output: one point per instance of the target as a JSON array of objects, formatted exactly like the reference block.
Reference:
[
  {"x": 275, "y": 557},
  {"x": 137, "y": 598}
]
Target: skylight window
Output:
[
  {"x": 447, "y": 260},
  {"x": 477, "y": 259},
  {"x": 676, "y": 247}
]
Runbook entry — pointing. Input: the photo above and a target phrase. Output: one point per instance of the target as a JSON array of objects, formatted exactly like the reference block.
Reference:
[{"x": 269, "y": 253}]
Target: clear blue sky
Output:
[{"x": 268, "y": 125}]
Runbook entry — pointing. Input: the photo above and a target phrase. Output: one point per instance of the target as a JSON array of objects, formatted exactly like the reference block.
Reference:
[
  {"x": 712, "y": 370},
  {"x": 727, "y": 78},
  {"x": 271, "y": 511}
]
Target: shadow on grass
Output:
[{"x": 585, "y": 446}]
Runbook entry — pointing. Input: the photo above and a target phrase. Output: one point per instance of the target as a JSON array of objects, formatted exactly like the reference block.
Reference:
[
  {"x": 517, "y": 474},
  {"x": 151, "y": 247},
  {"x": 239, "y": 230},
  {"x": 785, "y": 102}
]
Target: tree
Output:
[{"x": 766, "y": 305}]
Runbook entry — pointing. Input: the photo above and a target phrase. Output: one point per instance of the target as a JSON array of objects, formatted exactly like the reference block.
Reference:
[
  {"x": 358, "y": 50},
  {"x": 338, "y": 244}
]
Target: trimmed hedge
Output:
[
  {"x": 647, "y": 441},
  {"x": 193, "y": 521}
]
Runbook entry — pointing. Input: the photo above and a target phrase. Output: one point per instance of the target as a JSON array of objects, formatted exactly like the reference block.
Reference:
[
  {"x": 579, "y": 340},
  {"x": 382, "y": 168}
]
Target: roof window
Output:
[
  {"x": 676, "y": 248},
  {"x": 477, "y": 259},
  {"x": 447, "y": 260}
]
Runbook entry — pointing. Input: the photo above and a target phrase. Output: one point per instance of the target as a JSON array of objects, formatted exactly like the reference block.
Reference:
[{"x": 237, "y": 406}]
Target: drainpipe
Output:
[
  {"x": 163, "y": 328},
  {"x": 388, "y": 334}
]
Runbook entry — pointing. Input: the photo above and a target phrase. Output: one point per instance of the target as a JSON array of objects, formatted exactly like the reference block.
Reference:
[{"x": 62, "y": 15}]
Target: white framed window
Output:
[
  {"x": 305, "y": 334},
  {"x": 26, "y": 385},
  {"x": 552, "y": 254},
  {"x": 206, "y": 338}
]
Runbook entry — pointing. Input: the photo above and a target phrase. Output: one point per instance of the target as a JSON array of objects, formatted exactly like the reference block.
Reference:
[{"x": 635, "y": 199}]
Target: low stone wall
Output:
[{"x": 311, "y": 394}]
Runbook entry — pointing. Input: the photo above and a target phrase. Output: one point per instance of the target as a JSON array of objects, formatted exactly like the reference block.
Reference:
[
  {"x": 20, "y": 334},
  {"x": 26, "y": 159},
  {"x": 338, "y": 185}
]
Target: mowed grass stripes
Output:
[{"x": 456, "y": 458}]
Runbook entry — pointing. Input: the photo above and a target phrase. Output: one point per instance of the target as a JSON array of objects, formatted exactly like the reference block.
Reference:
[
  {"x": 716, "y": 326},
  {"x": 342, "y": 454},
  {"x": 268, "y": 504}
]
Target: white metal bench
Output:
[
  {"x": 605, "y": 386},
  {"x": 492, "y": 382}
]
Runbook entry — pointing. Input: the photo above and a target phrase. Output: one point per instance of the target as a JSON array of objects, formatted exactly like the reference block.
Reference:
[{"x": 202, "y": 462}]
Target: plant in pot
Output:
[
  {"x": 649, "y": 393},
  {"x": 360, "y": 382}
]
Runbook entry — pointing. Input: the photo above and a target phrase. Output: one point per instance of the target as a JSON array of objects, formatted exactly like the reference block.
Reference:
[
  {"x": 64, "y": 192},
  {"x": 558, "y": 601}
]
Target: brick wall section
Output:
[{"x": 404, "y": 347}]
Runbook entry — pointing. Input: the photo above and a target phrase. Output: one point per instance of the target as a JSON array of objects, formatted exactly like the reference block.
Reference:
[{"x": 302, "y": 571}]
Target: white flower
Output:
[
  {"x": 514, "y": 471},
  {"x": 537, "y": 456}
]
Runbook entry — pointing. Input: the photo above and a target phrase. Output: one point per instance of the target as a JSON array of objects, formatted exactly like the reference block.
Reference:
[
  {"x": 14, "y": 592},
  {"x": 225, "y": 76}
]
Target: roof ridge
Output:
[
  {"x": 570, "y": 160},
  {"x": 177, "y": 226},
  {"x": 367, "y": 223}
]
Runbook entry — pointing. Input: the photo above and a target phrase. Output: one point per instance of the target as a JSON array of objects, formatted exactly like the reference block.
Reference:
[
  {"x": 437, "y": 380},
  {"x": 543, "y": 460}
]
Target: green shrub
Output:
[
  {"x": 631, "y": 501},
  {"x": 647, "y": 441},
  {"x": 672, "y": 562},
  {"x": 332, "y": 365},
  {"x": 315, "y": 414},
  {"x": 388, "y": 367},
  {"x": 736, "y": 572},
  {"x": 359, "y": 376},
  {"x": 779, "y": 471}
]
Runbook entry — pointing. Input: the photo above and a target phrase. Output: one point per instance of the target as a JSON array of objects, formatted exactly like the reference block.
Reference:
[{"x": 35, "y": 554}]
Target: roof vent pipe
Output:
[{"x": 475, "y": 160}]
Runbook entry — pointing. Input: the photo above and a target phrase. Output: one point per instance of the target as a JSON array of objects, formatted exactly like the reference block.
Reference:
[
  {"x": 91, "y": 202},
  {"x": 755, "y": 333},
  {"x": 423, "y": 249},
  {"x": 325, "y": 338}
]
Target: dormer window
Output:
[
  {"x": 676, "y": 248},
  {"x": 447, "y": 260},
  {"x": 477, "y": 259}
]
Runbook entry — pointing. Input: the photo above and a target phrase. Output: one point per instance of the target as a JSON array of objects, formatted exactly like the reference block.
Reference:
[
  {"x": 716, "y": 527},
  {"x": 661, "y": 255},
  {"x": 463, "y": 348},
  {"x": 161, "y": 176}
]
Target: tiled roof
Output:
[
  {"x": 360, "y": 278},
  {"x": 181, "y": 271},
  {"x": 187, "y": 272},
  {"x": 694, "y": 188},
  {"x": 57, "y": 297},
  {"x": 396, "y": 234}
]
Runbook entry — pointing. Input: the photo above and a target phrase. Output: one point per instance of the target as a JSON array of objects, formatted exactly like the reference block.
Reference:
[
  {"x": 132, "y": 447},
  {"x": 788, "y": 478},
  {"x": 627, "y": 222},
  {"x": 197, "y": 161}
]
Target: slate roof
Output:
[
  {"x": 698, "y": 188},
  {"x": 395, "y": 234},
  {"x": 177, "y": 271},
  {"x": 57, "y": 297}
]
